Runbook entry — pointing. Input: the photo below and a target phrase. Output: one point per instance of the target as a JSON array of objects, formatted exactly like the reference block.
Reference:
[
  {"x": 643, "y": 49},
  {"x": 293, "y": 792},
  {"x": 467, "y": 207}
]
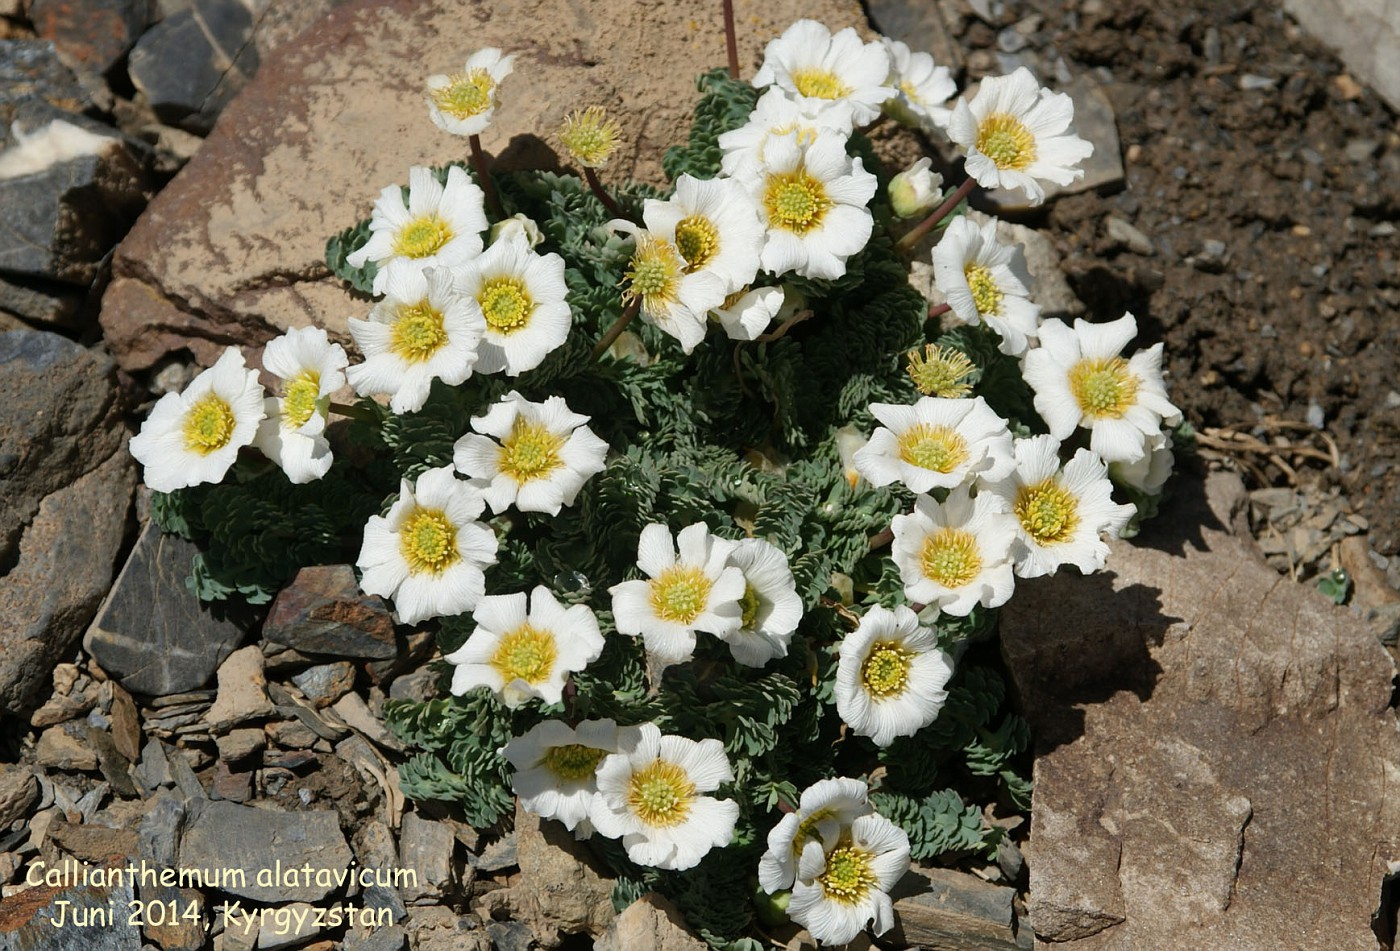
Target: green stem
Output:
[
  {"x": 354, "y": 412},
  {"x": 906, "y": 243},
  {"x": 617, "y": 328}
]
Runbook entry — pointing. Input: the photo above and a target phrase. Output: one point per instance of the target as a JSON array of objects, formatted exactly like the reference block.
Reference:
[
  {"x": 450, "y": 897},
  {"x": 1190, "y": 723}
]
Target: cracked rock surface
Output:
[{"x": 1215, "y": 750}]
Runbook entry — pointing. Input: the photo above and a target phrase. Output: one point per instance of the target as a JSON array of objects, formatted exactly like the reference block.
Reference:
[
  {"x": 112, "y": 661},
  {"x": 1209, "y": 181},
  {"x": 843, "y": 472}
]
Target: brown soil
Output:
[{"x": 1299, "y": 181}]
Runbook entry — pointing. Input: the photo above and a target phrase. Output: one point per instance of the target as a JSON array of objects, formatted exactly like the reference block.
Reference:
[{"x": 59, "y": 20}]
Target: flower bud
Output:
[
  {"x": 916, "y": 191},
  {"x": 517, "y": 226}
]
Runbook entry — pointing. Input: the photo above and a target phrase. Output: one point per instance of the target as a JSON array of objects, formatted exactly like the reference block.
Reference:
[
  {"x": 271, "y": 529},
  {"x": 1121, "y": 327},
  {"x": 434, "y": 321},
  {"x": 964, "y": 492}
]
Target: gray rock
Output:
[
  {"x": 41, "y": 302},
  {"x": 921, "y": 25},
  {"x": 374, "y": 849},
  {"x": 296, "y": 925},
  {"x": 426, "y": 847},
  {"x": 226, "y": 835},
  {"x": 388, "y": 938},
  {"x": 153, "y": 634},
  {"x": 240, "y": 745},
  {"x": 1215, "y": 747},
  {"x": 190, "y": 64},
  {"x": 65, "y": 488},
  {"x": 35, "y": 925},
  {"x": 1130, "y": 237},
  {"x": 952, "y": 911},
  {"x": 323, "y": 685},
  {"x": 94, "y": 33},
  {"x": 158, "y": 836},
  {"x": 30, "y": 70},
  {"x": 510, "y": 935},
  {"x": 18, "y": 793},
  {"x": 69, "y": 192},
  {"x": 496, "y": 856},
  {"x": 323, "y": 611}
]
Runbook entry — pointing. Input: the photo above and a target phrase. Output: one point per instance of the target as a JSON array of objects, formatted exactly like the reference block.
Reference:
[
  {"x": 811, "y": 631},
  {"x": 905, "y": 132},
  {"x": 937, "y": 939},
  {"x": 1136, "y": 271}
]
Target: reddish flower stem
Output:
[
  {"x": 731, "y": 41},
  {"x": 939, "y": 213},
  {"x": 617, "y": 328},
  {"x": 483, "y": 177}
]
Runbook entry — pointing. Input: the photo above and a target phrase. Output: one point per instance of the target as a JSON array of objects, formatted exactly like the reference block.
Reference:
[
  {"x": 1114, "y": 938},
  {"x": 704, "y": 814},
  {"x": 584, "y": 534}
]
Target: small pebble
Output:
[
  {"x": 1250, "y": 82},
  {"x": 1316, "y": 418}
]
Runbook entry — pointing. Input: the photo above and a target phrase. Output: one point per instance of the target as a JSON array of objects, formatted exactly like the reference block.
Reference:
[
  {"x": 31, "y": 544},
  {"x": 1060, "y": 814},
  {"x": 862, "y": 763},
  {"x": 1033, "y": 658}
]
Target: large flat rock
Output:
[
  {"x": 232, "y": 250},
  {"x": 1216, "y": 760},
  {"x": 1365, "y": 34}
]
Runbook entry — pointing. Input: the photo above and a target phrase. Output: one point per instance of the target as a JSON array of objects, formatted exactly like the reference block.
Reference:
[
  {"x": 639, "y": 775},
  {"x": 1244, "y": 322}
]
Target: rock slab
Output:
[
  {"x": 269, "y": 846},
  {"x": 1365, "y": 34},
  {"x": 323, "y": 611},
  {"x": 1216, "y": 754},
  {"x": 234, "y": 249},
  {"x": 153, "y": 634}
]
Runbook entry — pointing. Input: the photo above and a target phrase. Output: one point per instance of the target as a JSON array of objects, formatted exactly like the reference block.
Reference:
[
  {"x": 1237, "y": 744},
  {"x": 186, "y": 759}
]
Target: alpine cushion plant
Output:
[{"x": 705, "y": 504}]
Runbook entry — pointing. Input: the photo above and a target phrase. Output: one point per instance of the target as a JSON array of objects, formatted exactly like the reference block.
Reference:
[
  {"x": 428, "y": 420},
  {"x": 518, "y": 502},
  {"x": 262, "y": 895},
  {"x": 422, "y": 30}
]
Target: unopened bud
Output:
[{"x": 916, "y": 191}]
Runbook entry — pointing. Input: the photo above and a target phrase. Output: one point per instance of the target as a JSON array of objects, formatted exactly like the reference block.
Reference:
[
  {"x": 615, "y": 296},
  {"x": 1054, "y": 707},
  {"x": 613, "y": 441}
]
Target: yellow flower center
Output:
[
  {"x": 208, "y": 425},
  {"x": 806, "y": 134},
  {"x": 1006, "y": 141},
  {"x": 1047, "y": 511},
  {"x": 590, "y": 136},
  {"x": 531, "y": 451},
  {"x": 422, "y": 237},
  {"x": 795, "y": 201},
  {"x": 848, "y": 877},
  {"x": 951, "y": 557},
  {"x": 418, "y": 333},
  {"x": 525, "y": 654},
  {"x": 885, "y": 672},
  {"x": 655, "y": 276},
  {"x": 679, "y": 594},
  {"x": 910, "y": 91},
  {"x": 506, "y": 304},
  {"x": 428, "y": 540},
  {"x": 466, "y": 94},
  {"x": 573, "y": 760},
  {"x": 819, "y": 84},
  {"x": 1104, "y": 389},
  {"x": 940, "y": 448},
  {"x": 660, "y": 794},
  {"x": 985, "y": 293},
  {"x": 698, "y": 241},
  {"x": 299, "y": 399},
  {"x": 940, "y": 372},
  {"x": 749, "y": 605},
  {"x": 807, "y": 829}
]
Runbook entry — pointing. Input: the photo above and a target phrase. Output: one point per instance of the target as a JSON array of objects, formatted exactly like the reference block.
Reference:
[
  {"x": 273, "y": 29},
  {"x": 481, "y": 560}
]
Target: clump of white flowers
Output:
[{"x": 680, "y": 566}]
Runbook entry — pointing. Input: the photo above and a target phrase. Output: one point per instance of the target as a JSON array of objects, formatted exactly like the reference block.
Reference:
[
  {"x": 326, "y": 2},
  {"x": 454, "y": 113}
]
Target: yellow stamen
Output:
[
  {"x": 679, "y": 594},
  {"x": 422, "y": 237},
  {"x": 848, "y": 877},
  {"x": 1006, "y": 141},
  {"x": 885, "y": 672},
  {"x": 819, "y": 84},
  {"x": 299, "y": 399},
  {"x": 525, "y": 654},
  {"x": 940, "y": 448},
  {"x": 466, "y": 94},
  {"x": 698, "y": 241},
  {"x": 655, "y": 276},
  {"x": 208, "y": 425},
  {"x": 941, "y": 372},
  {"x": 1047, "y": 511},
  {"x": 573, "y": 761},
  {"x": 428, "y": 540},
  {"x": 795, "y": 201},
  {"x": 506, "y": 304},
  {"x": 951, "y": 557},
  {"x": 985, "y": 293},
  {"x": 590, "y": 136},
  {"x": 660, "y": 794},
  {"x": 418, "y": 332},
  {"x": 749, "y": 605},
  {"x": 1104, "y": 389},
  {"x": 531, "y": 451}
]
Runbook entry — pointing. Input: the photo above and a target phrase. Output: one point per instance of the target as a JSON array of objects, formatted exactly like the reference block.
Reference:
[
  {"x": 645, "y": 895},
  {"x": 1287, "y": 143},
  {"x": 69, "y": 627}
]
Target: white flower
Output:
[
  {"x": 464, "y": 102},
  {"x": 812, "y": 200},
  {"x": 809, "y": 63},
  {"x": 891, "y": 676},
  {"x": 824, "y": 814},
  {"x": 541, "y": 455},
  {"x": 649, "y": 796},
  {"x": 746, "y": 314},
  {"x": 986, "y": 280},
  {"x": 518, "y": 226},
  {"x": 770, "y": 608},
  {"x": 671, "y": 296},
  {"x": 519, "y": 652},
  {"x": 556, "y": 768},
  {"x": 745, "y": 148},
  {"x": 849, "y": 441},
  {"x": 916, "y": 191},
  {"x": 1081, "y": 379},
  {"x": 699, "y": 591},
  {"x": 423, "y": 330},
  {"x": 1060, "y": 515},
  {"x": 923, "y": 88},
  {"x": 193, "y": 437},
  {"x": 938, "y": 443},
  {"x": 958, "y": 554},
  {"x": 714, "y": 225},
  {"x": 293, "y": 433},
  {"x": 838, "y": 891},
  {"x": 428, "y": 553},
  {"x": 1014, "y": 132},
  {"x": 521, "y": 297},
  {"x": 438, "y": 226},
  {"x": 1149, "y": 473}
]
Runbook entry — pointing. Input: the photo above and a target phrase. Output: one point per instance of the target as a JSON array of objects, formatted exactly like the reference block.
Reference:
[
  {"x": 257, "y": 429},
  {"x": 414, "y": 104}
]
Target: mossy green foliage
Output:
[{"x": 740, "y": 436}]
